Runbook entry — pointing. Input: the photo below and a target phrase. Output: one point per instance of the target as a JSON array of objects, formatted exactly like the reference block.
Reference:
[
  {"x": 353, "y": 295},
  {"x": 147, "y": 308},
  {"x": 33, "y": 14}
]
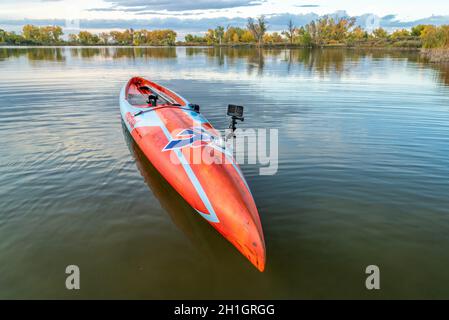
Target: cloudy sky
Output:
[{"x": 198, "y": 15}]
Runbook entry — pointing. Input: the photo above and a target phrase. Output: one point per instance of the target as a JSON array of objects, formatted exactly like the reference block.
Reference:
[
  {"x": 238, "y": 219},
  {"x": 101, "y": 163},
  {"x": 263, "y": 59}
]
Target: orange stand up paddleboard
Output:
[{"x": 172, "y": 133}]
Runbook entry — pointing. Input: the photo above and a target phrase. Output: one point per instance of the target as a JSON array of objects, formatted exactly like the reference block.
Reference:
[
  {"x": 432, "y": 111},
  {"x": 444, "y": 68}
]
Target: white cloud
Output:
[{"x": 404, "y": 10}]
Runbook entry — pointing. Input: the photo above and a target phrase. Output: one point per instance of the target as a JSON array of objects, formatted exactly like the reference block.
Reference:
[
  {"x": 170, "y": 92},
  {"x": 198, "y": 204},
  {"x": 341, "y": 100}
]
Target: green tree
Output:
[
  {"x": 87, "y": 38},
  {"x": 380, "y": 33},
  {"x": 194, "y": 39},
  {"x": 417, "y": 30},
  {"x": 400, "y": 34},
  {"x": 219, "y": 33},
  {"x": 3, "y": 36},
  {"x": 305, "y": 39}
]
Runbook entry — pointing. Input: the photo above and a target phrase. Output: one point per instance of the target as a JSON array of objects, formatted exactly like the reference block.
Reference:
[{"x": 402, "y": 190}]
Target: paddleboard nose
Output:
[
  {"x": 255, "y": 247},
  {"x": 247, "y": 235}
]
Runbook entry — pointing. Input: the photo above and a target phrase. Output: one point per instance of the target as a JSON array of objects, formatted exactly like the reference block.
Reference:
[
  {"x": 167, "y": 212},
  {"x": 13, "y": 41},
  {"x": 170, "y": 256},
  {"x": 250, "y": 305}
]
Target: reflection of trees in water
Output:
[
  {"x": 323, "y": 62},
  {"x": 124, "y": 52},
  {"x": 59, "y": 54},
  {"x": 254, "y": 57},
  {"x": 340, "y": 61},
  {"x": 88, "y": 53},
  {"x": 154, "y": 53},
  {"x": 442, "y": 72},
  {"x": 256, "y": 61},
  {"x": 7, "y": 53},
  {"x": 49, "y": 54}
]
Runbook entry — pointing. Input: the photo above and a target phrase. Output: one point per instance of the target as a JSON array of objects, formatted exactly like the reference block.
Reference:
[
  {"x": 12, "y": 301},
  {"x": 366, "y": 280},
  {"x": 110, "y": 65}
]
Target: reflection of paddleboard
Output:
[
  {"x": 181, "y": 213},
  {"x": 167, "y": 129}
]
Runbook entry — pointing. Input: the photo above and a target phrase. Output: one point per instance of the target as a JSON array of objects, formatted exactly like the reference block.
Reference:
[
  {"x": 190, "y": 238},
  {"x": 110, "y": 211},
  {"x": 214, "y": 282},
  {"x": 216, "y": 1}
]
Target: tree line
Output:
[
  {"x": 48, "y": 35},
  {"x": 51, "y": 35},
  {"x": 165, "y": 37},
  {"x": 326, "y": 31}
]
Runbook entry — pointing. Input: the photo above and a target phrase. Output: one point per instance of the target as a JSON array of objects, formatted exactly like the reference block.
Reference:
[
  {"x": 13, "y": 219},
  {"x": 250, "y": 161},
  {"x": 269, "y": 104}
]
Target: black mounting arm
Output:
[
  {"x": 236, "y": 113},
  {"x": 152, "y": 99}
]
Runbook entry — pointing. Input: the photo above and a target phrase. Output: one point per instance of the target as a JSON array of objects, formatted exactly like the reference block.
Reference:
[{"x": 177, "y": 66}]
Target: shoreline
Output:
[
  {"x": 435, "y": 55},
  {"x": 243, "y": 45}
]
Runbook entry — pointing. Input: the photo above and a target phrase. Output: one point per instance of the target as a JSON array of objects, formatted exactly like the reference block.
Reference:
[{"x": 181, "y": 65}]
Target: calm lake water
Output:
[{"x": 363, "y": 175}]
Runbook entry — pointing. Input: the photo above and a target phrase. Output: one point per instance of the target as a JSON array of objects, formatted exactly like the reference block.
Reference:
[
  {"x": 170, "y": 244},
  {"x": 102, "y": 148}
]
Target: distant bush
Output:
[{"x": 408, "y": 44}]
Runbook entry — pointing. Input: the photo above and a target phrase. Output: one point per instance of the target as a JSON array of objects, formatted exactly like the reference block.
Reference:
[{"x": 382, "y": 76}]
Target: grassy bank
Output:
[{"x": 436, "y": 55}]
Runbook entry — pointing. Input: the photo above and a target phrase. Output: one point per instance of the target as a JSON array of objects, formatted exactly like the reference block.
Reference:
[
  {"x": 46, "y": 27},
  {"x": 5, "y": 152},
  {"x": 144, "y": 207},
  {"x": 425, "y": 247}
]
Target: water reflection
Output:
[
  {"x": 322, "y": 62},
  {"x": 196, "y": 229},
  {"x": 33, "y": 54},
  {"x": 442, "y": 74},
  {"x": 124, "y": 52},
  {"x": 363, "y": 145}
]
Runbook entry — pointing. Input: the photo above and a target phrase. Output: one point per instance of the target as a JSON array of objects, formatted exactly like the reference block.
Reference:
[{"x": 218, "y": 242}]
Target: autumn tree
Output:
[
  {"x": 435, "y": 37},
  {"x": 164, "y": 37},
  {"x": 357, "y": 35},
  {"x": 257, "y": 28},
  {"x": 247, "y": 37},
  {"x": 327, "y": 30},
  {"x": 340, "y": 28},
  {"x": 210, "y": 37},
  {"x": 87, "y": 38},
  {"x": 272, "y": 38},
  {"x": 233, "y": 34},
  {"x": 30, "y": 32},
  {"x": 56, "y": 33},
  {"x": 42, "y": 35}
]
